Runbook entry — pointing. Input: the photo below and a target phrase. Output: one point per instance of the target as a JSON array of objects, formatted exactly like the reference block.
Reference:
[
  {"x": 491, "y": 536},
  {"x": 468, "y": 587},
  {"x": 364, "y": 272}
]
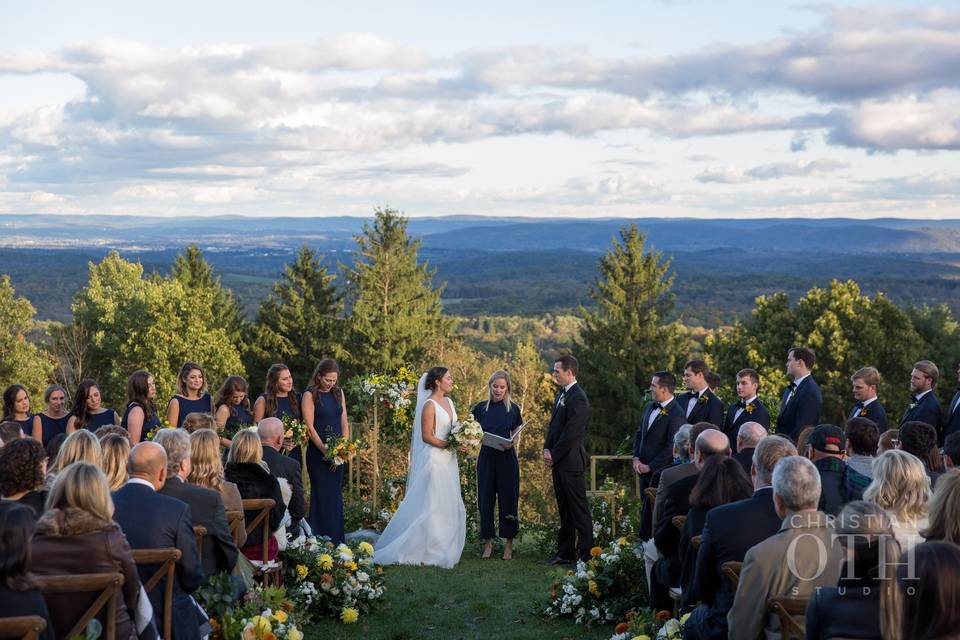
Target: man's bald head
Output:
[
  {"x": 270, "y": 431},
  {"x": 749, "y": 435},
  {"x": 711, "y": 443},
  {"x": 148, "y": 461}
]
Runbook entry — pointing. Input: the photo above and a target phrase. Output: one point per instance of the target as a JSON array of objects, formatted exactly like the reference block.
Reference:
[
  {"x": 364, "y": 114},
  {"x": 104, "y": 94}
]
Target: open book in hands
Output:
[{"x": 499, "y": 443}]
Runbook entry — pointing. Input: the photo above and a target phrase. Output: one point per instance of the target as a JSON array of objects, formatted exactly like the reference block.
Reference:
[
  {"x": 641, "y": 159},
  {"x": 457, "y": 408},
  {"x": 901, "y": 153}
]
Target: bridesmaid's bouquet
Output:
[
  {"x": 295, "y": 431},
  {"x": 340, "y": 450},
  {"x": 466, "y": 436}
]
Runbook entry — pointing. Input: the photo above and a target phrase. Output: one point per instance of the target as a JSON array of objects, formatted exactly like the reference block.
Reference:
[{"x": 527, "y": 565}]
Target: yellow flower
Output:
[
  {"x": 280, "y": 616},
  {"x": 325, "y": 561},
  {"x": 352, "y": 566},
  {"x": 596, "y": 551},
  {"x": 683, "y": 618},
  {"x": 260, "y": 625},
  {"x": 349, "y": 615},
  {"x": 643, "y": 637},
  {"x": 294, "y": 634},
  {"x": 592, "y": 588},
  {"x": 622, "y": 541},
  {"x": 302, "y": 571},
  {"x": 366, "y": 548}
]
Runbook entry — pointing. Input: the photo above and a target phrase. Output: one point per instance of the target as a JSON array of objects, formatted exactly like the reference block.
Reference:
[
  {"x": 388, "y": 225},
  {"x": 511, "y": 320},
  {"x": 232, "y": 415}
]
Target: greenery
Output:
[{"x": 21, "y": 361}]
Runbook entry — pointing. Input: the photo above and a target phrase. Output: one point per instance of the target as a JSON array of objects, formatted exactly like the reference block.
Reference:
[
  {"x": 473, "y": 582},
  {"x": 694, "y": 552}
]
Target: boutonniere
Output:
[
  {"x": 749, "y": 408},
  {"x": 703, "y": 399},
  {"x": 863, "y": 412},
  {"x": 663, "y": 411},
  {"x": 563, "y": 400},
  {"x": 912, "y": 406}
]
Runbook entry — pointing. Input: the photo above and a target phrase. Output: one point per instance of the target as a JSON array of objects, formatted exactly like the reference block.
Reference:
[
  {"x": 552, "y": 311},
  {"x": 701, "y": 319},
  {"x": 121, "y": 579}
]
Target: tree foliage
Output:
[
  {"x": 627, "y": 338},
  {"x": 21, "y": 361}
]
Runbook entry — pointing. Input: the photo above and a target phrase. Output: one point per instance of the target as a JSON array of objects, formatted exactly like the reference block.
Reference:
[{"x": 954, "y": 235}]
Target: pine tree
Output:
[
  {"x": 300, "y": 323},
  {"x": 193, "y": 271},
  {"x": 627, "y": 338},
  {"x": 395, "y": 313}
]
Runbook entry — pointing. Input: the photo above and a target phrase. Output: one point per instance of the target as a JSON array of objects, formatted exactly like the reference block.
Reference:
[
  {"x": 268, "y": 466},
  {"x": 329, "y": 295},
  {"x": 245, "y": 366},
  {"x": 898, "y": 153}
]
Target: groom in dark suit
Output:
[
  {"x": 801, "y": 400},
  {"x": 565, "y": 454},
  {"x": 662, "y": 418}
]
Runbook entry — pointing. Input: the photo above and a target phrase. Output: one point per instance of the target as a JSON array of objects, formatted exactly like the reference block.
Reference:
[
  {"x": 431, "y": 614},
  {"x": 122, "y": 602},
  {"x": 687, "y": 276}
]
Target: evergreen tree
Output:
[
  {"x": 21, "y": 361},
  {"x": 300, "y": 323},
  {"x": 395, "y": 313},
  {"x": 196, "y": 275},
  {"x": 627, "y": 338}
]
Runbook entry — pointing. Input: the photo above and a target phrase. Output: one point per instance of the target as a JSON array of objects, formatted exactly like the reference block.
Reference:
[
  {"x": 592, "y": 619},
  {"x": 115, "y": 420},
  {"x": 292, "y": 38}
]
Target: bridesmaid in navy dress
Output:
[
  {"x": 52, "y": 421},
  {"x": 278, "y": 398},
  {"x": 88, "y": 412},
  {"x": 325, "y": 414},
  {"x": 16, "y": 407},
  {"x": 233, "y": 407},
  {"x": 191, "y": 397},
  {"x": 498, "y": 472},
  {"x": 140, "y": 417}
]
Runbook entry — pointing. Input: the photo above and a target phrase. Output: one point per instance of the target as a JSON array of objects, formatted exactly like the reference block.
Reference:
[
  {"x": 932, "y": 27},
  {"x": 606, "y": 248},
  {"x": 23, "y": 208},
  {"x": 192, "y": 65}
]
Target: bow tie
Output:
[
  {"x": 860, "y": 405},
  {"x": 792, "y": 386},
  {"x": 916, "y": 399},
  {"x": 741, "y": 404}
]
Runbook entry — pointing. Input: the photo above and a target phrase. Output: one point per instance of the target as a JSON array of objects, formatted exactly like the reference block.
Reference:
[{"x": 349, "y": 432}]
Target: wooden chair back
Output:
[
  {"x": 731, "y": 571},
  {"x": 651, "y": 495},
  {"x": 678, "y": 521},
  {"x": 107, "y": 584},
  {"x": 199, "y": 531},
  {"x": 22, "y": 627},
  {"x": 235, "y": 521},
  {"x": 264, "y": 506},
  {"x": 167, "y": 559},
  {"x": 787, "y": 610}
]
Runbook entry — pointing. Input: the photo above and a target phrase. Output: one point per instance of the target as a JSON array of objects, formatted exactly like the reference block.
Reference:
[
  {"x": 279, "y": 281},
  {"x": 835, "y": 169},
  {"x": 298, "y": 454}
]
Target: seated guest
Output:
[
  {"x": 749, "y": 434},
  {"x": 838, "y": 484},
  {"x": 23, "y": 466},
  {"x": 866, "y": 602},
  {"x": 804, "y": 536},
  {"x": 270, "y": 431},
  {"x": 77, "y": 534},
  {"x": 246, "y": 468},
  {"x": 151, "y": 520},
  {"x": 865, "y": 383},
  {"x": 930, "y": 587},
  {"x": 681, "y": 468},
  {"x": 52, "y": 421},
  {"x": 196, "y": 421},
  {"x": 801, "y": 440},
  {"x": 951, "y": 451},
  {"x": 111, "y": 430},
  {"x": 19, "y": 595},
  {"x": 79, "y": 446},
  {"x": 945, "y": 510},
  {"x": 666, "y": 571},
  {"x": 889, "y": 439},
  {"x": 206, "y": 470},
  {"x": 116, "y": 452},
  {"x": 219, "y": 554},
  {"x": 863, "y": 438},
  {"x": 749, "y": 407},
  {"x": 728, "y": 533},
  {"x": 10, "y": 431},
  {"x": 53, "y": 447},
  {"x": 920, "y": 439},
  {"x": 721, "y": 481},
  {"x": 900, "y": 486}
]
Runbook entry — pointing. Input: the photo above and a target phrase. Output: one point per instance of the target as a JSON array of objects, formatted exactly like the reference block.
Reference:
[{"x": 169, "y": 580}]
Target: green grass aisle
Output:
[{"x": 489, "y": 599}]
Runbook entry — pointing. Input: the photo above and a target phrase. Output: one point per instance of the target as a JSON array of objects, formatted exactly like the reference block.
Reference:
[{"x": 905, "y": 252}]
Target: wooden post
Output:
[{"x": 374, "y": 439}]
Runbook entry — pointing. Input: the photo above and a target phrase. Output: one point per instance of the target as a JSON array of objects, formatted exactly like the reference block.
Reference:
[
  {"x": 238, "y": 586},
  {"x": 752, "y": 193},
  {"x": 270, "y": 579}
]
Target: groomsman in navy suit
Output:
[
  {"x": 748, "y": 408},
  {"x": 924, "y": 406},
  {"x": 662, "y": 418},
  {"x": 951, "y": 421},
  {"x": 700, "y": 403},
  {"x": 865, "y": 382},
  {"x": 801, "y": 400}
]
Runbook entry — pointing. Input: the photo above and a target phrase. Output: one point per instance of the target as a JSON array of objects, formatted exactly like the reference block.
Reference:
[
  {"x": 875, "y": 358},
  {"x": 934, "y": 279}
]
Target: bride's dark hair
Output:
[{"x": 433, "y": 376}]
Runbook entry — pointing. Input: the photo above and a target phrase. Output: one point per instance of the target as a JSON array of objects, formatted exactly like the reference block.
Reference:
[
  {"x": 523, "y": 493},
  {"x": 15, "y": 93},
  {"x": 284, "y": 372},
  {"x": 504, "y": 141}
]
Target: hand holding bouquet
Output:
[
  {"x": 466, "y": 436},
  {"x": 340, "y": 450},
  {"x": 295, "y": 431}
]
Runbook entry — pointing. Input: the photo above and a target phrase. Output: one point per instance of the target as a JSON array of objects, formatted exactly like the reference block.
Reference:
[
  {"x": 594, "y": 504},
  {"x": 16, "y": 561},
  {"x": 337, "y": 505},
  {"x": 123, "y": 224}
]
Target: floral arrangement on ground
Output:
[
  {"x": 602, "y": 589},
  {"x": 644, "y": 624},
  {"x": 332, "y": 581},
  {"x": 263, "y": 613}
]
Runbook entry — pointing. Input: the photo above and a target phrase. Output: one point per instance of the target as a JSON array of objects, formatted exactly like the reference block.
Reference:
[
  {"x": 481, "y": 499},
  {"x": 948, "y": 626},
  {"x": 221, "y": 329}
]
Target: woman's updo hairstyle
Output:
[{"x": 434, "y": 375}]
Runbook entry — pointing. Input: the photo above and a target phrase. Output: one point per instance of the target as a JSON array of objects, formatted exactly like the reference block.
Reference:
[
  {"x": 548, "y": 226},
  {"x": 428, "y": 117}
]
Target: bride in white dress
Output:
[{"x": 430, "y": 526}]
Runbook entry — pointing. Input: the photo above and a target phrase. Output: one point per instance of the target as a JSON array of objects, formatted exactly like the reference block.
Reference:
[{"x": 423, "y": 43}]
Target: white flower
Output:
[{"x": 362, "y": 577}]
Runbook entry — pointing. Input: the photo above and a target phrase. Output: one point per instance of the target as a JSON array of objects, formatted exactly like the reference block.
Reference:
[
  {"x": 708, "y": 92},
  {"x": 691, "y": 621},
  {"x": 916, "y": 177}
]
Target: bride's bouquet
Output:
[{"x": 466, "y": 436}]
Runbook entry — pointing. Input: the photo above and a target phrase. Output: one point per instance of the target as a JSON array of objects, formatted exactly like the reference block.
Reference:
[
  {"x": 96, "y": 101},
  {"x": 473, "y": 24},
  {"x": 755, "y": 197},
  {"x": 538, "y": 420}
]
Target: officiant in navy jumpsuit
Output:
[{"x": 498, "y": 472}]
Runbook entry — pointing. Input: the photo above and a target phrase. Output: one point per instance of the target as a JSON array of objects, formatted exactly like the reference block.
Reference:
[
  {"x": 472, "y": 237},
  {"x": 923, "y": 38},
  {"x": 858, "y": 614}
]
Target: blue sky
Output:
[{"x": 537, "y": 109}]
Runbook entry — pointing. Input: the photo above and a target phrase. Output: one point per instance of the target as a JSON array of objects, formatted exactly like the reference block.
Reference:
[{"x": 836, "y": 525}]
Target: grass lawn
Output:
[{"x": 476, "y": 599}]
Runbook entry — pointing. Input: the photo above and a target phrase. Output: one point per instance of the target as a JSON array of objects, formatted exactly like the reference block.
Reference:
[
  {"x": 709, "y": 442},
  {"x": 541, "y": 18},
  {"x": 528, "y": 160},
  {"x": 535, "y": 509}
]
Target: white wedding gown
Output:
[{"x": 430, "y": 525}]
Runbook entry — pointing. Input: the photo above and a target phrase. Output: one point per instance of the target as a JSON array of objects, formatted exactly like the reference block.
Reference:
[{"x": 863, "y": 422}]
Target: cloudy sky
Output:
[{"x": 641, "y": 108}]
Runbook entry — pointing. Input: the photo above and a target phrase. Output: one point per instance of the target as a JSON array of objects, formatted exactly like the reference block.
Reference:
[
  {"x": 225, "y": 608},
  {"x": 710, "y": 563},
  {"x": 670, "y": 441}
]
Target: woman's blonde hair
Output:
[
  {"x": 499, "y": 374},
  {"x": 945, "y": 509},
  {"x": 900, "y": 485},
  {"x": 196, "y": 421},
  {"x": 206, "y": 465},
  {"x": 80, "y": 446},
  {"x": 116, "y": 452},
  {"x": 83, "y": 486},
  {"x": 246, "y": 447}
]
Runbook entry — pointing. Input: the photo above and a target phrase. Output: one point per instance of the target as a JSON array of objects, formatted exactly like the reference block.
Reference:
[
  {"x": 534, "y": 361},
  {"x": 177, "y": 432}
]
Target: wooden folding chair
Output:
[
  {"x": 22, "y": 627},
  {"x": 731, "y": 570},
  {"x": 678, "y": 521},
  {"x": 650, "y": 494},
  {"x": 270, "y": 576},
  {"x": 107, "y": 584},
  {"x": 235, "y": 522},
  {"x": 167, "y": 559},
  {"x": 199, "y": 531},
  {"x": 787, "y": 610}
]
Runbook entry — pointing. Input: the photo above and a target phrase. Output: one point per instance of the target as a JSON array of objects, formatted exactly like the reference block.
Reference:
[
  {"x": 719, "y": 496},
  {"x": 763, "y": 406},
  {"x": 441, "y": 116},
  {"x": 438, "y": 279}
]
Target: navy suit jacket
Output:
[
  {"x": 927, "y": 410},
  {"x": 873, "y": 411},
  {"x": 731, "y": 426},
  {"x": 730, "y": 531},
  {"x": 566, "y": 437},
  {"x": 207, "y": 510},
  {"x": 951, "y": 421},
  {"x": 709, "y": 408},
  {"x": 802, "y": 410},
  {"x": 654, "y": 445},
  {"x": 152, "y": 520}
]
